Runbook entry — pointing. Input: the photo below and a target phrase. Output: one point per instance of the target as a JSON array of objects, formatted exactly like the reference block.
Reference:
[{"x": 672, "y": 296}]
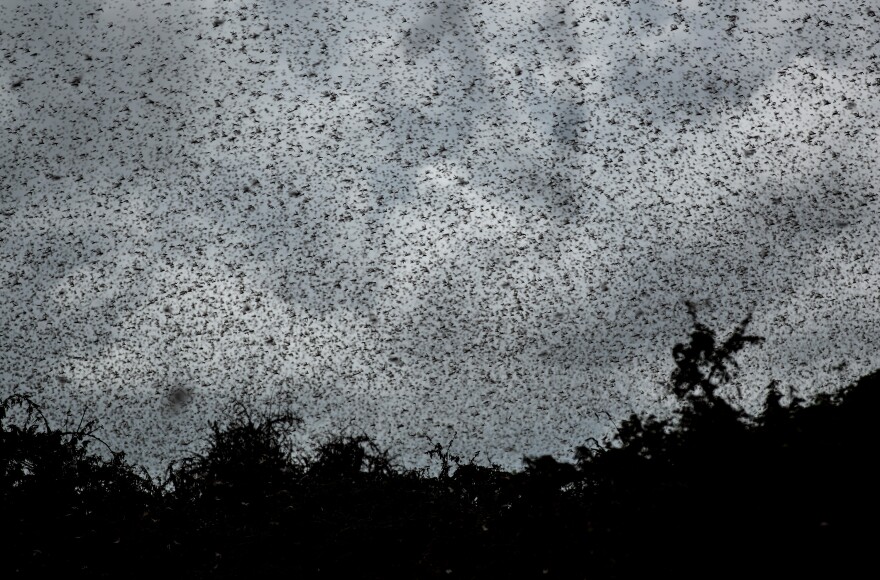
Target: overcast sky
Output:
[{"x": 429, "y": 217}]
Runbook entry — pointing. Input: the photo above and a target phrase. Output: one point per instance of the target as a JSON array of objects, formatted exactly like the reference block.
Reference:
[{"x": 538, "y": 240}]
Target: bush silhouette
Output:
[
  {"x": 710, "y": 491},
  {"x": 64, "y": 508}
]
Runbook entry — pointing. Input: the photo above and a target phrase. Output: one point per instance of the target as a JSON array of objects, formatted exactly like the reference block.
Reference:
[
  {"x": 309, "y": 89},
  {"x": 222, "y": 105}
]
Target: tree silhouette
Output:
[{"x": 703, "y": 365}]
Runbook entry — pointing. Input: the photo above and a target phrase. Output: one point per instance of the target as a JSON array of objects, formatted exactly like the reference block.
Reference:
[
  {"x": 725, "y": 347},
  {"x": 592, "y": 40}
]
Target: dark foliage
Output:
[
  {"x": 63, "y": 508},
  {"x": 712, "y": 492}
]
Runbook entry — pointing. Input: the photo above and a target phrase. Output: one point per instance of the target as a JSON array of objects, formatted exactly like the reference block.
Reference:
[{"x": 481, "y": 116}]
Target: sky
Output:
[{"x": 429, "y": 219}]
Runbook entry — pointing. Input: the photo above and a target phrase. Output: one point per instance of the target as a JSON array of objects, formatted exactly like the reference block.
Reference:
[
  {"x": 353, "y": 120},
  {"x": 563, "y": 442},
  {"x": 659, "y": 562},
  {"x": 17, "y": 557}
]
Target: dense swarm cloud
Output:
[{"x": 410, "y": 217}]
